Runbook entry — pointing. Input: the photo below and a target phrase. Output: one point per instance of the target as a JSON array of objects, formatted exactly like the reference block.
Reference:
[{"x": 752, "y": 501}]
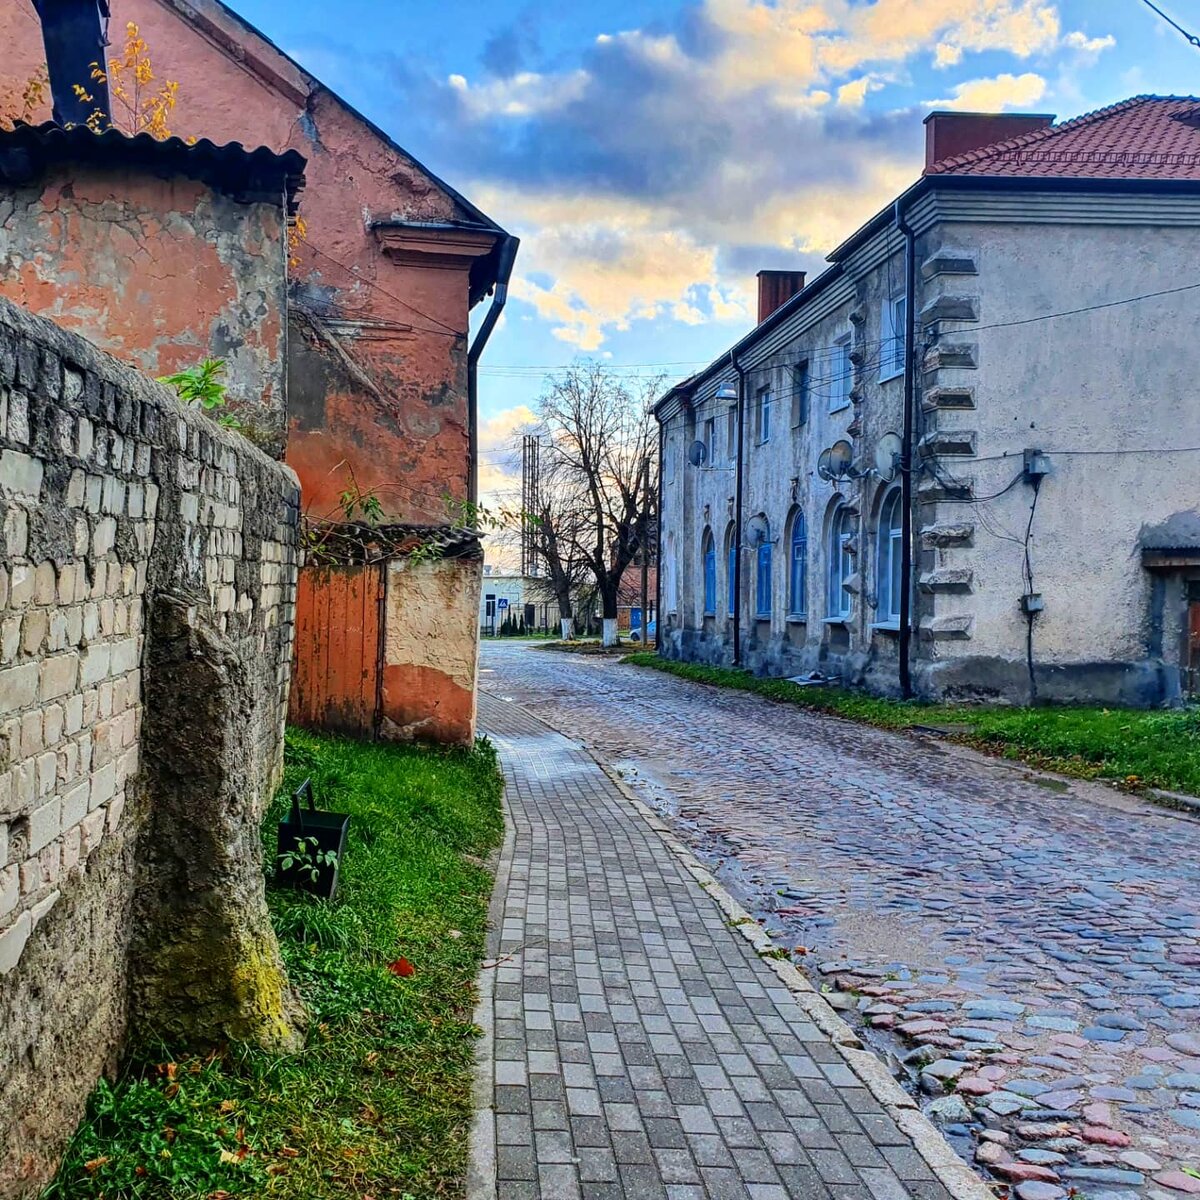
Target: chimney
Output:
[
  {"x": 951, "y": 133},
  {"x": 776, "y": 288},
  {"x": 73, "y": 33}
]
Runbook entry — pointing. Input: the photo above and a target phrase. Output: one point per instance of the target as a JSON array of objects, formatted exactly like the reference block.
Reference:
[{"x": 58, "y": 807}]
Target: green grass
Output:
[
  {"x": 1132, "y": 747},
  {"x": 378, "y": 1103}
]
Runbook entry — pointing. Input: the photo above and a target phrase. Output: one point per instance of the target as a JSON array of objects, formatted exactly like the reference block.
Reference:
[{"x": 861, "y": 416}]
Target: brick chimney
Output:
[
  {"x": 951, "y": 133},
  {"x": 73, "y": 34},
  {"x": 776, "y": 288}
]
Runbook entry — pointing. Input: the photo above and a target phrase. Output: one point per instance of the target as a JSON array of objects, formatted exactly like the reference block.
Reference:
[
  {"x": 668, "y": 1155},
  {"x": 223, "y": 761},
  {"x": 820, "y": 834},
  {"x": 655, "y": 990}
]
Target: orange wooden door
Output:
[{"x": 335, "y": 684}]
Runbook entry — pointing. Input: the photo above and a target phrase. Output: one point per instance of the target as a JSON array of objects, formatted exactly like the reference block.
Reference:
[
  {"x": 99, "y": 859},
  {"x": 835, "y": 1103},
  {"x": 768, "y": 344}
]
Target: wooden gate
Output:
[{"x": 336, "y": 684}]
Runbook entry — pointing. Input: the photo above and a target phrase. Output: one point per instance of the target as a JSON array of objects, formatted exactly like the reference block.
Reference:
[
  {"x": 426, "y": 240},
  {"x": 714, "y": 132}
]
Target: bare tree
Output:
[{"x": 597, "y": 439}]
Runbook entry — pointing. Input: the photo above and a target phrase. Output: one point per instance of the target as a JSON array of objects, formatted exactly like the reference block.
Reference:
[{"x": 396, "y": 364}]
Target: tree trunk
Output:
[
  {"x": 568, "y": 628},
  {"x": 608, "y": 610},
  {"x": 208, "y": 969}
]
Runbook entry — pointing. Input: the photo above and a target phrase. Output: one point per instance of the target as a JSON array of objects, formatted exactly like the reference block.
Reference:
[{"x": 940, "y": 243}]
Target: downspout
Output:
[
  {"x": 906, "y": 452},
  {"x": 737, "y": 511},
  {"x": 74, "y": 34},
  {"x": 658, "y": 641},
  {"x": 504, "y": 266}
]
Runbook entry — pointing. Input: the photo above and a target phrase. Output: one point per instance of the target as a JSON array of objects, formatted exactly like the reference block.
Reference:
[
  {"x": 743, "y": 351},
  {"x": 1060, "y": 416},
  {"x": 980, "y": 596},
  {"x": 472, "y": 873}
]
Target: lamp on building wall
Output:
[{"x": 727, "y": 391}]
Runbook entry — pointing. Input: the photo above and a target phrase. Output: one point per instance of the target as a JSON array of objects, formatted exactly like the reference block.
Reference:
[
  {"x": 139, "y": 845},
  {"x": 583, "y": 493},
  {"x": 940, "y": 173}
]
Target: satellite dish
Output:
[
  {"x": 887, "y": 456},
  {"x": 841, "y": 455},
  {"x": 758, "y": 531},
  {"x": 698, "y": 454},
  {"x": 823, "y": 467}
]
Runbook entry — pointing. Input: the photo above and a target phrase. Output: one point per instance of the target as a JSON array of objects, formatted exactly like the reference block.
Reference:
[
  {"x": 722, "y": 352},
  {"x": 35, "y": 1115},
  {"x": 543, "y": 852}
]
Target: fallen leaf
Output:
[
  {"x": 227, "y": 1106},
  {"x": 402, "y": 967},
  {"x": 277, "y": 1169},
  {"x": 94, "y": 1164},
  {"x": 171, "y": 1091},
  {"x": 288, "y": 1152}
]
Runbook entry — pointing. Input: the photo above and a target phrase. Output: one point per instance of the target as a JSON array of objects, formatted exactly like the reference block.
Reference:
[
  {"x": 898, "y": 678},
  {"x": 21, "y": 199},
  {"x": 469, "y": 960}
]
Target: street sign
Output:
[{"x": 502, "y": 603}]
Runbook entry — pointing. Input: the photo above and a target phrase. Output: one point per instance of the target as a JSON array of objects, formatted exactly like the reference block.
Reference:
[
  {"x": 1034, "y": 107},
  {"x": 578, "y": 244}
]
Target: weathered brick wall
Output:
[{"x": 112, "y": 499}]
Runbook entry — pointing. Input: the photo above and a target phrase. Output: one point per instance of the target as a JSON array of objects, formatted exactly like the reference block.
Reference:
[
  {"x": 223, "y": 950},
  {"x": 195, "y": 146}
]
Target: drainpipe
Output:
[
  {"x": 658, "y": 570},
  {"x": 74, "y": 34},
  {"x": 508, "y": 255},
  {"x": 737, "y": 511},
  {"x": 906, "y": 452}
]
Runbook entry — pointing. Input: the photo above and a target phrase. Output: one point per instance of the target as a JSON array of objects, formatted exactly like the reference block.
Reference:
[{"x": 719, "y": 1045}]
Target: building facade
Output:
[
  {"x": 380, "y": 367},
  {"x": 1015, "y": 329}
]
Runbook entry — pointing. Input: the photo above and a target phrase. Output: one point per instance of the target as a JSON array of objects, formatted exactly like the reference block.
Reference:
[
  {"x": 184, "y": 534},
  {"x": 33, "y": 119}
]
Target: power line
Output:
[
  {"x": 1191, "y": 37},
  {"x": 444, "y": 331}
]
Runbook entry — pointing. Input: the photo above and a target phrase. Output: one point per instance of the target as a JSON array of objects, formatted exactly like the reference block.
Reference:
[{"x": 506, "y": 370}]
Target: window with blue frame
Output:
[
  {"x": 798, "y": 576},
  {"x": 762, "y": 589},
  {"x": 710, "y": 575},
  {"x": 731, "y": 567}
]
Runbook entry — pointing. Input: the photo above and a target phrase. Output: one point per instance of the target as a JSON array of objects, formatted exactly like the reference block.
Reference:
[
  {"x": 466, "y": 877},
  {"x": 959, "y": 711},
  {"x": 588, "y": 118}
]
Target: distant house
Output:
[
  {"x": 1018, "y": 328},
  {"x": 520, "y": 598},
  {"x": 381, "y": 368}
]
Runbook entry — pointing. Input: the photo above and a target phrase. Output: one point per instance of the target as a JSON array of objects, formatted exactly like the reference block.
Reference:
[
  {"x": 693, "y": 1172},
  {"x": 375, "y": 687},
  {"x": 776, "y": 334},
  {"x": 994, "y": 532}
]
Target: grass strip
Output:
[
  {"x": 1135, "y": 748},
  {"x": 378, "y": 1103}
]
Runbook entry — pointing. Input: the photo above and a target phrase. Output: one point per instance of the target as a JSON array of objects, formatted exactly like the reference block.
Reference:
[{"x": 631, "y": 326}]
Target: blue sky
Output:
[{"x": 654, "y": 154}]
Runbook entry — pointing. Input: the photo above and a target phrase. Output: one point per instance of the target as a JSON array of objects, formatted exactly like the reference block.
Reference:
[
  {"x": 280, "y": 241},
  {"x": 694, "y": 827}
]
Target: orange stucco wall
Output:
[
  {"x": 159, "y": 272},
  {"x": 395, "y": 410}
]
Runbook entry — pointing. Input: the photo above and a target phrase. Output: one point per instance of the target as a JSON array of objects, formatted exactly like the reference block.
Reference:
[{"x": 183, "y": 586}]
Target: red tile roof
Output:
[{"x": 1145, "y": 137}]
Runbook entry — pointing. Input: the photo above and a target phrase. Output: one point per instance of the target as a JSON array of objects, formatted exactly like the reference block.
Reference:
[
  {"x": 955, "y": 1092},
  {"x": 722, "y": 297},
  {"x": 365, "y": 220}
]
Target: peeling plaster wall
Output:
[
  {"x": 159, "y": 272},
  {"x": 407, "y": 430},
  {"x": 112, "y": 499},
  {"x": 431, "y": 649}
]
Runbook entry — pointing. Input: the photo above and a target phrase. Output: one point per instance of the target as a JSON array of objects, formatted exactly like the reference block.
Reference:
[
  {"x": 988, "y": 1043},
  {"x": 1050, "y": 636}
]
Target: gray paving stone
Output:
[{"x": 644, "y": 1052}]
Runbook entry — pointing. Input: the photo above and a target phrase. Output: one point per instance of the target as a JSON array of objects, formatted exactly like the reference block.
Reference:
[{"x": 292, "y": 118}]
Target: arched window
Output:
[
  {"x": 762, "y": 584},
  {"x": 731, "y": 567},
  {"x": 798, "y": 568},
  {"x": 710, "y": 575},
  {"x": 888, "y": 579},
  {"x": 841, "y": 563}
]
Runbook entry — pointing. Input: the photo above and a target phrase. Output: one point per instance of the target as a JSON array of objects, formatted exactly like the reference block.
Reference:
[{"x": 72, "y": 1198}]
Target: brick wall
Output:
[{"x": 113, "y": 499}]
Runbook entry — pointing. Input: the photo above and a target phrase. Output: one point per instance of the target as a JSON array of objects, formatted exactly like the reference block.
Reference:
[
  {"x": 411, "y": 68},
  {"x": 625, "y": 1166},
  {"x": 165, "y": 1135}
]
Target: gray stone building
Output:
[{"x": 1018, "y": 328}]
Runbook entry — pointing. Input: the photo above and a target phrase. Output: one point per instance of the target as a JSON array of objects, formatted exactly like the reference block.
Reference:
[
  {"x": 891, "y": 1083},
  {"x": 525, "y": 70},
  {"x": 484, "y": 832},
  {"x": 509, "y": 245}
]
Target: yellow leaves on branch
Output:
[
  {"x": 141, "y": 104},
  {"x": 297, "y": 232},
  {"x": 22, "y": 106}
]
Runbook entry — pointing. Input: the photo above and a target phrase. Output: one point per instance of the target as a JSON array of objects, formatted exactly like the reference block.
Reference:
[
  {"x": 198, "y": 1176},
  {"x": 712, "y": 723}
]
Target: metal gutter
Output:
[
  {"x": 737, "y": 509},
  {"x": 507, "y": 257}
]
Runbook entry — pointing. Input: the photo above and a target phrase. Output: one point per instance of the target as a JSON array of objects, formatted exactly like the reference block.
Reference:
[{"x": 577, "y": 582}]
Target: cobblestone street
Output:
[{"x": 1031, "y": 951}]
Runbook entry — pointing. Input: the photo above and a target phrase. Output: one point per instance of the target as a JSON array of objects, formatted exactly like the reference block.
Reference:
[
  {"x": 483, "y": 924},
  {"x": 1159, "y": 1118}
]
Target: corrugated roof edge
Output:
[{"x": 260, "y": 173}]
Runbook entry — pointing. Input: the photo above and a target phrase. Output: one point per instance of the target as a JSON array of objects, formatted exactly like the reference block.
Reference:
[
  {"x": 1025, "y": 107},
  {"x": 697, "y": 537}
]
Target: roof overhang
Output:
[
  {"x": 445, "y": 246},
  {"x": 248, "y": 176}
]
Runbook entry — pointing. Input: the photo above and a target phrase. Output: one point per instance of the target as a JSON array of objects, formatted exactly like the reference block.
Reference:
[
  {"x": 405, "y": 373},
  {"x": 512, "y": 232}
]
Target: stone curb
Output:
[
  {"x": 481, "y": 1154},
  {"x": 959, "y": 1180}
]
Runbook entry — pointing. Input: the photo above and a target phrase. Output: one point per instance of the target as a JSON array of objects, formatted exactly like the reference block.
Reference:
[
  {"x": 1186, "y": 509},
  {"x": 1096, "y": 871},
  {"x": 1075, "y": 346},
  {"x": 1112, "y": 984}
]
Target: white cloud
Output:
[
  {"x": 669, "y": 163},
  {"x": 995, "y": 94}
]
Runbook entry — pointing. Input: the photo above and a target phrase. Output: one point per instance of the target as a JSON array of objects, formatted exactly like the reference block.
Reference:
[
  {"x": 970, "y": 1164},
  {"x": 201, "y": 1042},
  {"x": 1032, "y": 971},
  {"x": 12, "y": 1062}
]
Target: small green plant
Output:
[
  {"x": 202, "y": 385},
  {"x": 307, "y": 858}
]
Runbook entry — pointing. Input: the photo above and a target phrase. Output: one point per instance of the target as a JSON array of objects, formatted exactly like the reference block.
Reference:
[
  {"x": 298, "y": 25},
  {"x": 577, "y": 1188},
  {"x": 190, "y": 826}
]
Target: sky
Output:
[{"x": 653, "y": 155}]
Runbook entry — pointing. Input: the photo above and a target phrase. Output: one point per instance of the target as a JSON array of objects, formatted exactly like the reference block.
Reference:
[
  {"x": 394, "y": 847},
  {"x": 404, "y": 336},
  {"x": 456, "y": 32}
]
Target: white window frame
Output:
[
  {"x": 731, "y": 420},
  {"x": 710, "y": 441},
  {"x": 762, "y": 410},
  {"x": 888, "y": 551},
  {"x": 842, "y": 382},
  {"x": 839, "y": 604},
  {"x": 801, "y": 394},
  {"x": 892, "y": 328}
]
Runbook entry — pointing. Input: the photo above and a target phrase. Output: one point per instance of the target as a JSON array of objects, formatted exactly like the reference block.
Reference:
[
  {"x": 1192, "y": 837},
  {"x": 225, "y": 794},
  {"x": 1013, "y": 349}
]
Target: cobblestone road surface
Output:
[
  {"x": 643, "y": 1050},
  {"x": 1033, "y": 953}
]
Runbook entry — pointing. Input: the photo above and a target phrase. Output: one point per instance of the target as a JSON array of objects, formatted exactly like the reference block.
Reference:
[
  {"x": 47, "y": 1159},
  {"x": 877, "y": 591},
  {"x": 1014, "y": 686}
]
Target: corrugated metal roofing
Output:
[{"x": 250, "y": 175}]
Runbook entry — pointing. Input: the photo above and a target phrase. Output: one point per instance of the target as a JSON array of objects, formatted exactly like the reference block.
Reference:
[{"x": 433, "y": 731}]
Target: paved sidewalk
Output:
[{"x": 643, "y": 1050}]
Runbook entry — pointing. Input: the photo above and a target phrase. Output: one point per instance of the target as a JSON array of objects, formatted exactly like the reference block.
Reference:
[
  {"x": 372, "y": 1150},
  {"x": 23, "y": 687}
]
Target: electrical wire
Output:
[
  {"x": 1191, "y": 37},
  {"x": 444, "y": 331}
]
